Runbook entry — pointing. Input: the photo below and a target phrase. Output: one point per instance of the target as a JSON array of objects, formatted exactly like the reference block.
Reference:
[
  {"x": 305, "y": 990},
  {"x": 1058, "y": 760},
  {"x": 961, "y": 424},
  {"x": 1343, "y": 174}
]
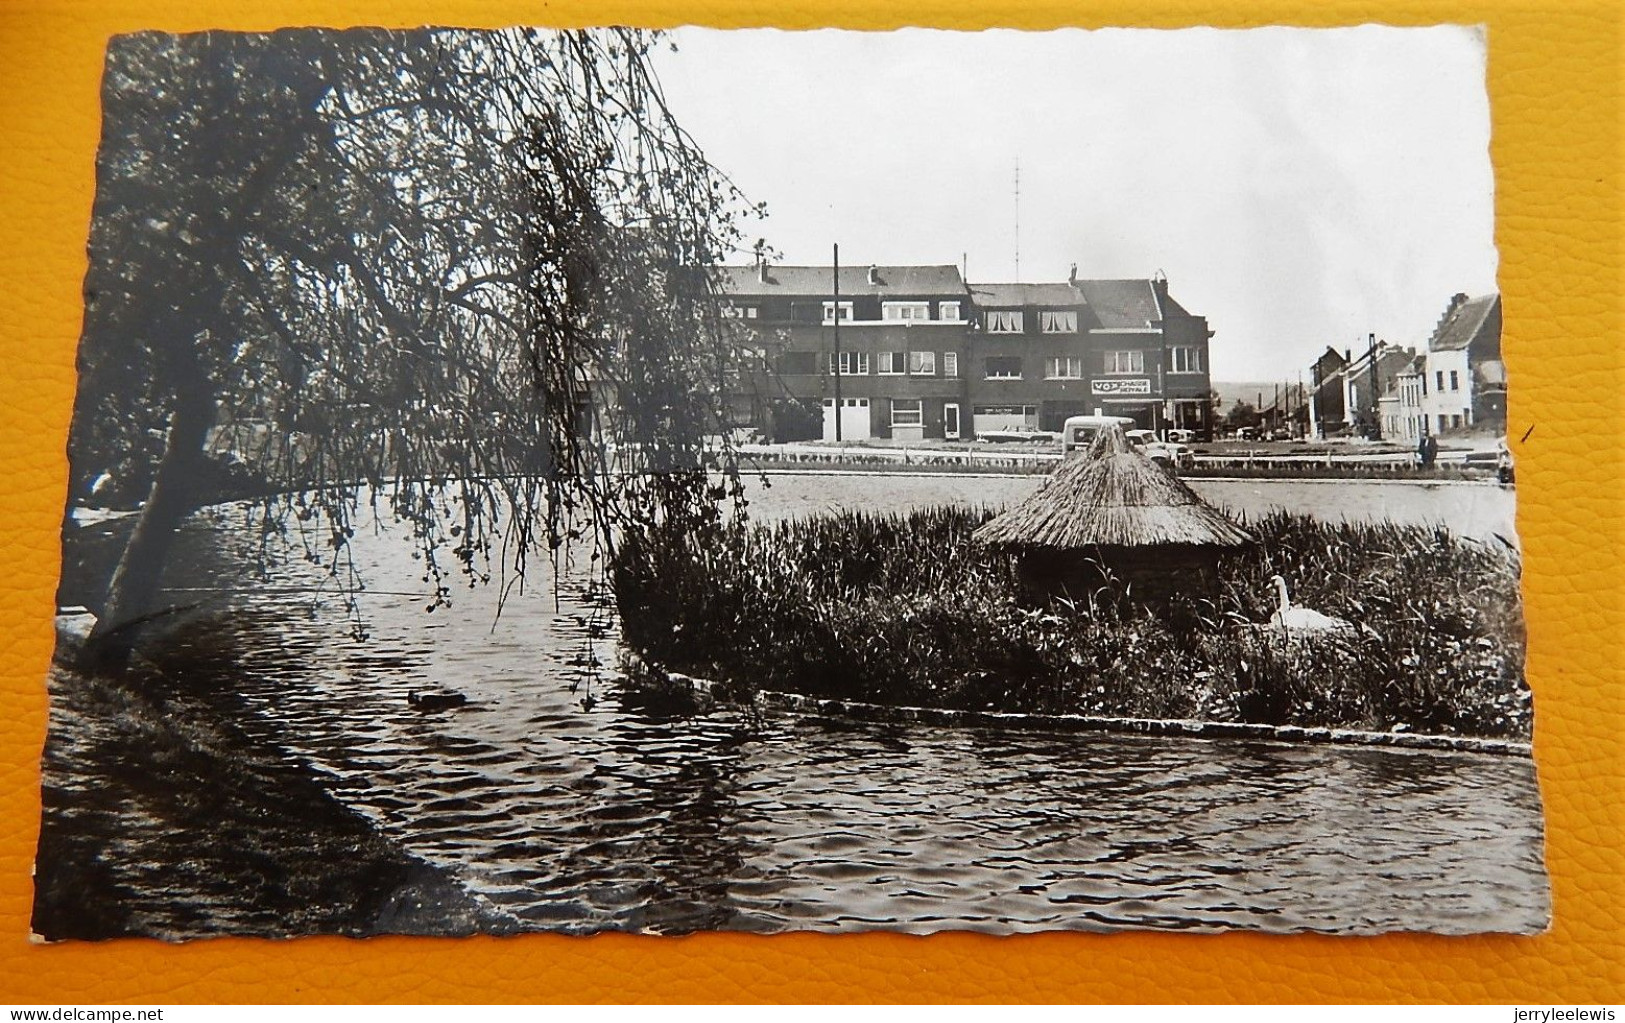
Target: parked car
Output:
[
  {"x": 1078, "y": 432},
  {"x": 1019, "y": 435},
  {"x": 1181, "y": 436},
  {"x": 1174, "y": 456}
]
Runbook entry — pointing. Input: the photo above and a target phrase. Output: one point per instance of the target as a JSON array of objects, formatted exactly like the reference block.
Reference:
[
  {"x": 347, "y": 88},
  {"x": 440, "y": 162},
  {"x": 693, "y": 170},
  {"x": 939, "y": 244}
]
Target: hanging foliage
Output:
[{"x": 460, "y": 275}]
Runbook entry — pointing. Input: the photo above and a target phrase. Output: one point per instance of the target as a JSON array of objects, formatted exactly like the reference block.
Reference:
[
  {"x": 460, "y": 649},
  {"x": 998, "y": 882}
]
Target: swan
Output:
[{"x": 1304, "y": 620}]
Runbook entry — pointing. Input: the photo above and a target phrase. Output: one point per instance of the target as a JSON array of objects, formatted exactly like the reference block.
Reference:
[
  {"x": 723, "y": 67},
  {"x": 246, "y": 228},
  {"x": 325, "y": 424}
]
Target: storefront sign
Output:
[{"x": 1137, "y": 385}]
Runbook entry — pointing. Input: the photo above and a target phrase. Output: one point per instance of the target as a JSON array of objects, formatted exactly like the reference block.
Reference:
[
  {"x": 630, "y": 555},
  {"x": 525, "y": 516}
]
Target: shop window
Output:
[{"x": 906, "y": 412}]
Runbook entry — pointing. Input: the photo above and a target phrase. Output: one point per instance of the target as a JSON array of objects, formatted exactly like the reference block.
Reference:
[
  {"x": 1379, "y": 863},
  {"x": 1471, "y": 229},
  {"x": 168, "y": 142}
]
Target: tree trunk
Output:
[{"x": 132, "y": 592}]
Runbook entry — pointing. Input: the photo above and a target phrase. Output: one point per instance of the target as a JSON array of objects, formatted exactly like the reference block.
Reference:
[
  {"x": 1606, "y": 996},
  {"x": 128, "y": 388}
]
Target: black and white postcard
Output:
[{"x": 770, "y": 481}]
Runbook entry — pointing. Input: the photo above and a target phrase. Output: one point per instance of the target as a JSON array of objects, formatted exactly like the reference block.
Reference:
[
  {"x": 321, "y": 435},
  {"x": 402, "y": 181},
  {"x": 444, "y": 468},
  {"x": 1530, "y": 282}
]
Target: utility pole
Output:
[
  {"x": 836, "y": 315},
  {"x": 1314, "y": 402},
  {"x": 1371, "y": 356},
  {"x": 1300, "y": 398}
]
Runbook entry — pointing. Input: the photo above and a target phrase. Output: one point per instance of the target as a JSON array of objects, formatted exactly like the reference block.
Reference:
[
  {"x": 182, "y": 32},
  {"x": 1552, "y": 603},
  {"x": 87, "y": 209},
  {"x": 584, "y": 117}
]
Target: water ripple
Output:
[{"x": 616, "y": 819}]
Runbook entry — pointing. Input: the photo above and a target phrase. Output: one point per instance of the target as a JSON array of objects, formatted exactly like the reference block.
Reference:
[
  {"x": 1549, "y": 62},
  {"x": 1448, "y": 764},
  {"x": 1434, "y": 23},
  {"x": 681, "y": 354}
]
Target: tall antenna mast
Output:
[{"x": 1018, "y": 220}]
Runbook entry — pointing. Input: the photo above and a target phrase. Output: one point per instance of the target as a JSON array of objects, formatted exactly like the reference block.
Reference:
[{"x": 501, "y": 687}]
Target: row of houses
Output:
[
  {"x": 915, "y": 352},
  {"x": 1456, "y": 381}
]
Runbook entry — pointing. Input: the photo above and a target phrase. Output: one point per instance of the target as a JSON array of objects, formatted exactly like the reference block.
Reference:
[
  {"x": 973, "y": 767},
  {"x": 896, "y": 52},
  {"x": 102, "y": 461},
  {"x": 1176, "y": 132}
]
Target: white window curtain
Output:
[{"x": 1059, "y": 321}]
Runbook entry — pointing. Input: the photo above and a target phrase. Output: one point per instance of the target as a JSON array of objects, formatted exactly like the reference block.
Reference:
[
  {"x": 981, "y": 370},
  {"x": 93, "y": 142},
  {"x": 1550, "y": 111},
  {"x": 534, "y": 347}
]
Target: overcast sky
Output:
[{"x": 1299, "y": 187}]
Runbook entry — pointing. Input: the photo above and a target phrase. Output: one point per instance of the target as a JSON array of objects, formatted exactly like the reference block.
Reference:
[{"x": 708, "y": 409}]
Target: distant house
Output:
[
  {"x": 1405, "y": 417},
  {"x": 1328, "y": 406},
  {"x": 1366, "y": 378},
  {"x": 1466, "y": 379},
  {"x": 919, "y": 354}
]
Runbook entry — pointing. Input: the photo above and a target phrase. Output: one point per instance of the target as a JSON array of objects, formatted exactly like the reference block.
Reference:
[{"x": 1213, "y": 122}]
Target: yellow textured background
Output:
[{"x": 1555, "y": 75}]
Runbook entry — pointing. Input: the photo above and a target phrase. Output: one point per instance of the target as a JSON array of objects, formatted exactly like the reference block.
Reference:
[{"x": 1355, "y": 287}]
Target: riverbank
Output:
[
  {"x": 651, "y": 686},
  {"x": 162, "y": 819}
]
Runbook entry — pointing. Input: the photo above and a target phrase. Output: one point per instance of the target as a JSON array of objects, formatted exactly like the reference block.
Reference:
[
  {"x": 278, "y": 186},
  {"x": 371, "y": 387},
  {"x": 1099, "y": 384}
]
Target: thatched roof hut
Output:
[{"x": 1114, "y": 513}]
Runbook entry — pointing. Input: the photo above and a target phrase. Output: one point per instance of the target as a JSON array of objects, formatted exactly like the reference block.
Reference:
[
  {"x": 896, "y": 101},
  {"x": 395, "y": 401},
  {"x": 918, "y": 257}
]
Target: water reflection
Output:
[{"x": 582, "y": 815}]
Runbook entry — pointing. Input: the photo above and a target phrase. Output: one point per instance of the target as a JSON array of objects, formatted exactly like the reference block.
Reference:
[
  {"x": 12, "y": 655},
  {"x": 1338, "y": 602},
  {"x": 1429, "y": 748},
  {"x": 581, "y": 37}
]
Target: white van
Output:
[{"x": 1080, "y": 431}]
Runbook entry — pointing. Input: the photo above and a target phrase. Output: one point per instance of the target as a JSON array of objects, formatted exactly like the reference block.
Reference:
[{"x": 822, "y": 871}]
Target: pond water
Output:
[
  {"x": 1476, "y": 509},
  {"x": 567, "y": 811}
]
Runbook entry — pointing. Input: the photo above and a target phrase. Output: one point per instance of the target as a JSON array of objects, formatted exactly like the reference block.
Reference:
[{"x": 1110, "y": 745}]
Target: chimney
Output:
[
  {"x": 874, "y": 274},
  {"x": 1159, "y": 286},
  {"x": 1072, "y": 274}
]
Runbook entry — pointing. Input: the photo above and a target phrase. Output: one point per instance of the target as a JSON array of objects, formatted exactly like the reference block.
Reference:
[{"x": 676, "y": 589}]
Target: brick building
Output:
[{"x": 920, "y": 354}]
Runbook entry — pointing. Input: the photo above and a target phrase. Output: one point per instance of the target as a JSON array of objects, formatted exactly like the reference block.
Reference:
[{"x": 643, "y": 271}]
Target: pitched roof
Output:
[
  {"x": 1172, "y": 308},
  {"x": 1111, "y": 497},
  {"x": 816, "y": 281},
  {"x": 1330, "y": 361},
  {"x": 1118, "y": 304},
  {"x": 1464, "y": 324},
  {"x": 1025, "y": 294}
]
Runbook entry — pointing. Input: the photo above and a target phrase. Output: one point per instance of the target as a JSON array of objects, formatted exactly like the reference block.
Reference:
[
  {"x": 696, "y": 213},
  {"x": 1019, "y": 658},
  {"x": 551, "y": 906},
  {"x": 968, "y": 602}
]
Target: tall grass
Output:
[{"x": 904, "y": 609}]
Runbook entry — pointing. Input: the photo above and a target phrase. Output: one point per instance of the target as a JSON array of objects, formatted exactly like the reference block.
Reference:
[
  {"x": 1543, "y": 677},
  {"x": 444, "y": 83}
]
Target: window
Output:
[
  {"x": 1455, "y": 382},
  {"x": 1064, "y": 367},
  {"x": 891, "y": 364},
  {"x": 739, "y": 312},
  {"x": 948, "y": 311},
  {"x": 853, "y": 364},
  {"x": 1187, "y": 360},
  {"x": 1442, "y": 426},
  {"x": 798, "y": 362},
  {"x": 906, "y": 412},
  {"x": 922, "y": 363},
  {"x": 829, "y": 312},
  {"x": 1004, "y": 367},
  {"x": 1438, "y": 378},
  {"x": 905, "y": 310},
  {"x": 1058, "y": 321},
  {"x": 1004, "y": 321},
  {"x": 1455, "y": 421},
  {"x": 950, "y": 364},
  {"x": 1125, "y": 362}
]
